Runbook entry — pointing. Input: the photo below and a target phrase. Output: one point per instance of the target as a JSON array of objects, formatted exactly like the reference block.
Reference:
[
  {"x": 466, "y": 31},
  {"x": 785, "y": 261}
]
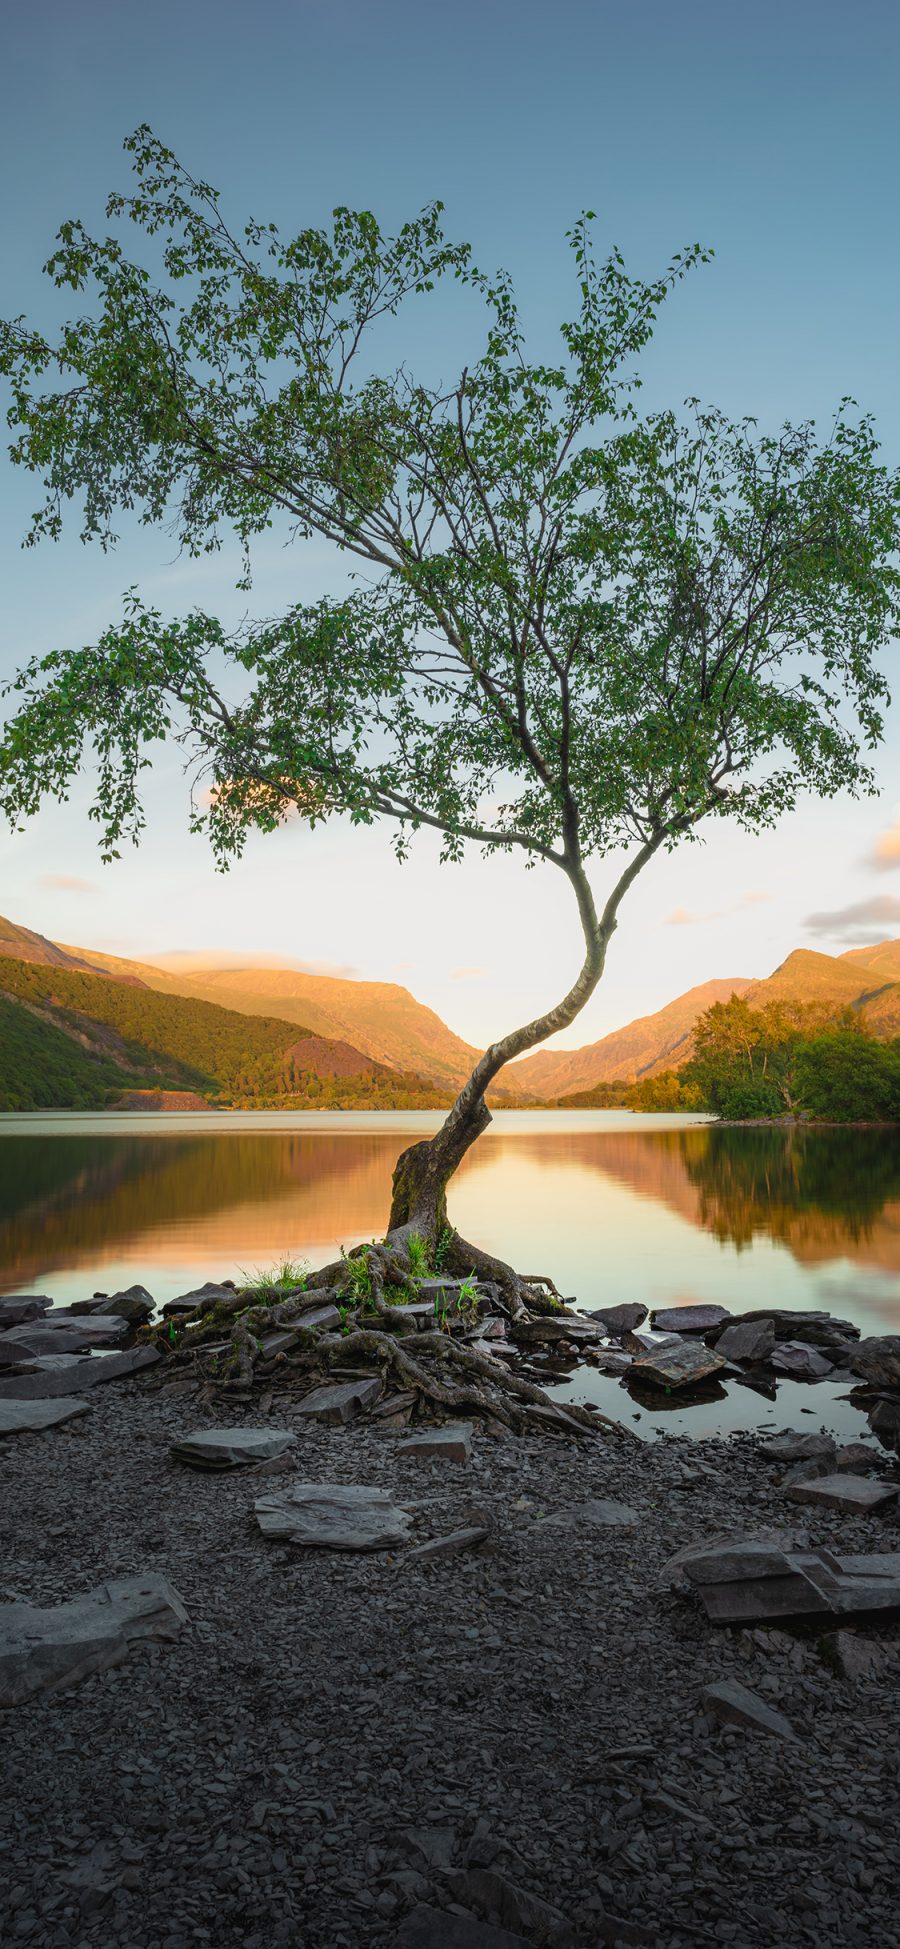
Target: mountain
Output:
[
  {"x": 74, "y": 1037},
  {"x": 382, "y": 1019},
  {"x": 20, "y": 944},
  {"x": 652, "y": 1043},
  {"x": 819, "y": 980}
]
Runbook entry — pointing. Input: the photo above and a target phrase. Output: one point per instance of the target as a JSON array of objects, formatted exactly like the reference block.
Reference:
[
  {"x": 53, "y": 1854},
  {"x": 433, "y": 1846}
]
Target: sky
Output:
[{"x": 768, "y": 133}]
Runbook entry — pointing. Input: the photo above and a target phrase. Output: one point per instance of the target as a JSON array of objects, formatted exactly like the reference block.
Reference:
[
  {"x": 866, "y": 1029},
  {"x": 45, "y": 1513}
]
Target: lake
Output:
[{"x": 661, "y": 1209}]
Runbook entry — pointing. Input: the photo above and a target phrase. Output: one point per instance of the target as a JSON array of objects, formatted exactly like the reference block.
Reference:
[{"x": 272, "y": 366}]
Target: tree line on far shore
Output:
[{"x": 787, "y": 1059}]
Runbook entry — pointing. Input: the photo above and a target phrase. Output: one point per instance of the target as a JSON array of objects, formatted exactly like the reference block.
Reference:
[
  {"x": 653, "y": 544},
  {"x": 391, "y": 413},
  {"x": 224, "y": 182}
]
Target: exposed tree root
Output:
[{"x": 442, "y": 1369}]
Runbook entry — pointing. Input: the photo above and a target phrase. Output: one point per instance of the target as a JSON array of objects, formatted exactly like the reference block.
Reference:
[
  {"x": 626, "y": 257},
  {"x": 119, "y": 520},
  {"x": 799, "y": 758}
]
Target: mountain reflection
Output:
[{"x": 197, "y": 1201}]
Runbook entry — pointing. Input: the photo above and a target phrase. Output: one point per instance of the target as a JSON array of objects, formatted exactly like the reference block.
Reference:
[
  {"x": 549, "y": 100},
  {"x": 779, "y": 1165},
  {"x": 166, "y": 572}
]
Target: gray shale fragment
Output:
[
  {"x": 853, "y": 1494},
  {"x": 791, "y": 1447},
  {"x": 689, "y": 1319},
  {"x": 341, "y": 1402},
  {"x": 434, "y": 1928},
  {"x": 452, "y": 1443},
  {"x": 753, "y": 1341},
  {"x": 877, "y": 1360},
  {"x": 685, "y": 1365},
  {"x": 598, "y": 1513},
  {"x": 734, "y": 1704},
  {"x": 31, "y": 1417},
  {"x": 228, "y": 1448},
  {"x": 41, "y": 1650},
  {"x": 333, "y": 1516},
  {"x": 25, "y": 1306},
  {"x": 56, "y": 1374},
  {"x": 452, "y": 1544}
]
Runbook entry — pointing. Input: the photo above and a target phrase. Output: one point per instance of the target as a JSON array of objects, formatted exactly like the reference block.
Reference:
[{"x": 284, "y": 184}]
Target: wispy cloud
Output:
[
  {"x": 65, "y": 883},
  {"x": 467, "y": 974},
  {"x": 681, "y": 917},
  {"x": 885, "y": 854},
  {"x": 861, "y": 924}
]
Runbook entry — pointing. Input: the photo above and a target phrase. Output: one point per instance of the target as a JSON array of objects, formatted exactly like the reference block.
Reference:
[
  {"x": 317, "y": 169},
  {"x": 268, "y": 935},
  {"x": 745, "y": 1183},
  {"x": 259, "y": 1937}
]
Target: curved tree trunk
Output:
[{"x": 423, "y": 1172}]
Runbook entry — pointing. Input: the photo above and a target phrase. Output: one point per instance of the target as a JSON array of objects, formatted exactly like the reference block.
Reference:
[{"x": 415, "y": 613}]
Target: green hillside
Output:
[
  {"x": 192, "y": 1045},
  {"x": 76, "y": 1041},
  {"x": 41, "y": 1068}
]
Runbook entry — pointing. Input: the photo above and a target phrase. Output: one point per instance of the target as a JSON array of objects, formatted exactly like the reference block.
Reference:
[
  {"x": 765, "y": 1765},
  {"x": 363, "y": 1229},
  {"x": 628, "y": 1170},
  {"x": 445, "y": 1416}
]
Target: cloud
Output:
[
  {"x": 65, "y": 883},
  {"x": 188, "y": 960},
  {"x": 862, "y": 924},
  {"x": 885, "y": 854},
  {"x": 680, "y": 917},
  {"x": 467, "y": 974},
  {"x": 753, "y": 899}
]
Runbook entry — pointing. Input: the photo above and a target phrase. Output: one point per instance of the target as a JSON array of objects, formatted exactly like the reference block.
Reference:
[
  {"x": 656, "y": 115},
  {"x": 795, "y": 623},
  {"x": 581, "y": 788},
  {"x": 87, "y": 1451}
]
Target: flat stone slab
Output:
[
  {"x": 99, "y": 1328},
  {"x": 31, "y": 1417},
  {"x": 228, "y": 1448},
  {"x": 188, "y": 1302},
  {"x": 450, "y": 1444},
  {"x": 811, "y": 1328},
  {"x": 684, "y": 1365},
  {"x": 854, "y": 1494},
  {"x": 619, "y": 1319},
  {"x": 35, "y": 1340},
  {"x": 41, "y": 1650},
  {"x": 742, "y": 1580},
  {"x": 734, "y": 1704},
  {"x": 135, "y": 1305},
  {"x": 25, "y": 1306},
  {"x": 333, "y": 1516},
  {"x": 689, "y": 1319},
  {"x": 645, "y": 1339},
  {"x": 54, "y": 1374},
  {"x": 341, "y": 1402},
  {"x": 549, "y": 1328},
  {"x": 323, "y": 1319}
]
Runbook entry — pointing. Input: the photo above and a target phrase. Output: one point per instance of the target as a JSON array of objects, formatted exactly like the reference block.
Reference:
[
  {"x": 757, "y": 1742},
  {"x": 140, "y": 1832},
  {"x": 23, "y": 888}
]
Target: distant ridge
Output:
[
  {"x": 20, "y": 944},
  {"x": 642, "y": 1048}
]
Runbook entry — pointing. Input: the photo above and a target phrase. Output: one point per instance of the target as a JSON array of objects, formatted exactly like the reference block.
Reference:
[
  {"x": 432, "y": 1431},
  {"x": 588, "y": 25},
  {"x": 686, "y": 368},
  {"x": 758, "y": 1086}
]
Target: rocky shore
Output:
[{"x": 521, "y": 1712}]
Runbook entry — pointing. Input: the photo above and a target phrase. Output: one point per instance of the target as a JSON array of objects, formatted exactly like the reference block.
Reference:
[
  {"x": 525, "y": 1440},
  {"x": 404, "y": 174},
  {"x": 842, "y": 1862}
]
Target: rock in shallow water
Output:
[
  {"x": 25, "y": 1306},
  {"x": 333, "y": 1516},
  {"x": 689, "y": 1319},
  {"x": 41, "y": 1650},
  {"x": 686, "y": 1363},
  {"x": 226, "y": 1448}
]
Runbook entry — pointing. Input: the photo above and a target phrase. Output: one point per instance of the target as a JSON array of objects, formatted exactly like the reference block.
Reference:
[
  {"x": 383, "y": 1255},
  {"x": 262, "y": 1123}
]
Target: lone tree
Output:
[{"x": 579, "y": 632}]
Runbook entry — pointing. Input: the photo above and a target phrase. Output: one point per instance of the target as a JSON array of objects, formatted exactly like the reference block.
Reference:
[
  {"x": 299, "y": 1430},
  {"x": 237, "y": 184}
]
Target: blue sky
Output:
[{"x": 768, "y": 133}]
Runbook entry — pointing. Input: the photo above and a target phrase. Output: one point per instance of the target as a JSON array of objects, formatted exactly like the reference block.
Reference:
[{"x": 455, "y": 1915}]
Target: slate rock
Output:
[
  {"x": 433, "y": 1928},
  {"x": 852, "y": 1494},
  {"x": 752, "y": 1342},
  {"x": 689, "y": 1319},
  {"x": 595, "y": 1514},
  {"x": 452, "y": 1443},
  {"x": 791, "y": 1447},
  {"x": 884, "y": 1421},
  {"x": 853, "y": 1657},
  {"x": 618, "y": 1319},
  {"x": 734, "y": 1704},
  {"x": 552, "y": 1328},
  {"x": 802, "y": 1363},
  {"x": 812, "y": 1328},
  {"x": 32, "y": 1417},
  {"x": 341, "y": 1402},
  {"x": 210, "y": 1294},
  {"x": 333, "y": 1516},
  {"x": 684, "y": 1365},
  {"x": 134, "y": 1304},
  {"x": 317, "y": 1319},
  {"x": 854, "y": 1457},
  {"x": 23, "y": 1306},
  {"x": 645, "y": 1339},
  {"x": 41, "y": 1650},
  {"x": 877, "y": 1360},
  {"x": 99, "y": 1328},
  {"x": 227, "y": 1448},
  {"x": 453, "y": 1544},
  {"x": 56, "y": 1374},
  {"x": 34, "y": 1341},
  {"x": 504, "y": 1902}
]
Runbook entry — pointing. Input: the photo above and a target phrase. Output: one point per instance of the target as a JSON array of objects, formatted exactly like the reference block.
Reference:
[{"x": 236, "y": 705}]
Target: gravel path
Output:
[{"x": 259, "y": 1782}]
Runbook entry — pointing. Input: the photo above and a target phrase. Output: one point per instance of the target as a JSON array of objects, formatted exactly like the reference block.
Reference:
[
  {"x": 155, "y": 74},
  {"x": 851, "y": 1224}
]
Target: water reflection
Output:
[{"x": 612, "y": 1206}]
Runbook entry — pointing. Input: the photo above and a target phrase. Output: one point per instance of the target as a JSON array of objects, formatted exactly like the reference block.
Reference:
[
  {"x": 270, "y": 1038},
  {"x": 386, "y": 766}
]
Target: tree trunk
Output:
[{"x": 422, "y": 1173}]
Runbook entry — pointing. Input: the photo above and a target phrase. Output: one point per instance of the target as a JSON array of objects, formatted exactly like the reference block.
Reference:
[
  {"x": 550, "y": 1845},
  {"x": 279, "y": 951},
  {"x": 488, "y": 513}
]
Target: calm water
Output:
[{"x": 665, "y": 1210}]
